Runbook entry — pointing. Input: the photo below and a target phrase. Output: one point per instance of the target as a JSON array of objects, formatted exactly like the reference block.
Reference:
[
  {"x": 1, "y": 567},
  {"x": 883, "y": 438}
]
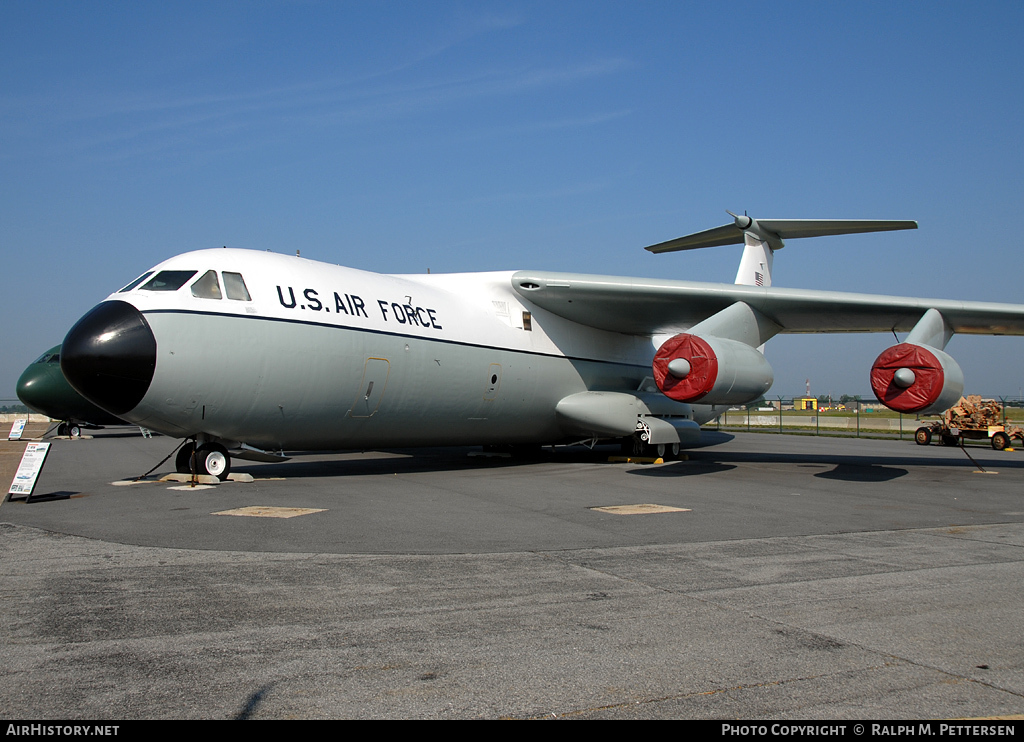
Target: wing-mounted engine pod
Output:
[
  {"x": 916, "y": 378},
  {"x": 712, "y": 370},
  {"x": 701, "y": 367}
]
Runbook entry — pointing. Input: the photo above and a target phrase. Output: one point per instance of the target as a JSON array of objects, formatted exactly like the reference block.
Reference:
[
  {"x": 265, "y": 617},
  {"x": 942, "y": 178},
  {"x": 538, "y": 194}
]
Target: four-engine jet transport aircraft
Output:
[
  {"x": 43, "y": 389},
  {"x": 251, "y": 353}
]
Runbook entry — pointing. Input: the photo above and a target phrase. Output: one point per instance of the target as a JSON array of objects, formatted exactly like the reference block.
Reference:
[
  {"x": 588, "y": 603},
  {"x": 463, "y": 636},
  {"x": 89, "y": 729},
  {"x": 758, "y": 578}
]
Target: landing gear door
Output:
[{"x": 375, "y": 379}]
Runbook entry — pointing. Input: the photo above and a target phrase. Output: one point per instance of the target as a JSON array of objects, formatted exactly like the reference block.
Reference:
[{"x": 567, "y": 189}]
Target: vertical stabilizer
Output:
[{"x": 756, "y": 264}]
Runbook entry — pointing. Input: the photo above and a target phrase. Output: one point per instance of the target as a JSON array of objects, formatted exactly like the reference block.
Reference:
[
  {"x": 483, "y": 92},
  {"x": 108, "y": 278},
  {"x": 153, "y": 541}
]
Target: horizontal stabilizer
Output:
[{"x": 774, "y": 231}]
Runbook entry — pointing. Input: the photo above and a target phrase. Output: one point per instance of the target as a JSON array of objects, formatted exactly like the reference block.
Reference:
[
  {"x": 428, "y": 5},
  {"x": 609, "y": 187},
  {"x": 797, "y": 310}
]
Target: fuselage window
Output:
[
  {"x": 168, "y": 280},
  {"x": 136, "y": 282},
  {"x": 234, "y": 285},
  {"x": 207, "y": 286}
]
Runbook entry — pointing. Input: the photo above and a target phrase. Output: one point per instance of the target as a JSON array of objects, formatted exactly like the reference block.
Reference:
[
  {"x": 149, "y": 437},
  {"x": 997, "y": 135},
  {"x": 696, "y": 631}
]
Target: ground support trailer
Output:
[{"x": 974, "y": 419}]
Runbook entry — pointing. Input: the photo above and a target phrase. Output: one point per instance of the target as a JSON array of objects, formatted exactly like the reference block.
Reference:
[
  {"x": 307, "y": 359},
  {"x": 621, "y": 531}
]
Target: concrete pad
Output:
[{"x": 811, "y": 579}]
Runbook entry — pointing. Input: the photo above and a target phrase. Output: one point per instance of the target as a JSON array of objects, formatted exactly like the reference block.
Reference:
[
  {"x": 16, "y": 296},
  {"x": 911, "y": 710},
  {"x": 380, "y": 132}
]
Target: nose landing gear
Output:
[{"x": 209, "y": 458}]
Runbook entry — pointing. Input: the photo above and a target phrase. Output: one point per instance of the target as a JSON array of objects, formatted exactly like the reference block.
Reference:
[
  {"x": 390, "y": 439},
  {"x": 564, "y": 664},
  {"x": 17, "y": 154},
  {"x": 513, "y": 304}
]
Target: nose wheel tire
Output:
[{"x": 213, "y": 459}]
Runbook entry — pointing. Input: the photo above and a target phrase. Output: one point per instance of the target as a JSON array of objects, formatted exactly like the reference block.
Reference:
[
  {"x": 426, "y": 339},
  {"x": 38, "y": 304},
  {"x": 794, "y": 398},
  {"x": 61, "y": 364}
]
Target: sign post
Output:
[
  {"x": 17, "y": 429},
  {"x": 28, "y": 471}
]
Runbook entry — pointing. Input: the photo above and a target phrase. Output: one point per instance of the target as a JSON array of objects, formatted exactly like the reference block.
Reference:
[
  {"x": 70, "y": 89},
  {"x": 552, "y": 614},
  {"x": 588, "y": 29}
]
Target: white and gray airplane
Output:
[{"x": 250, "y": 354}]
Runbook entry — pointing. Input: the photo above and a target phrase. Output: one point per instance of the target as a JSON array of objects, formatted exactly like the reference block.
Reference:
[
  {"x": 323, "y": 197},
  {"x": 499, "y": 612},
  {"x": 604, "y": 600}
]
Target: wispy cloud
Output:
[
  {"x": 104, "y": 124},
  {"x": 567, "y": 191},
  {"x": 544, "y": 125},
  {"x": 115, "y": 124}
]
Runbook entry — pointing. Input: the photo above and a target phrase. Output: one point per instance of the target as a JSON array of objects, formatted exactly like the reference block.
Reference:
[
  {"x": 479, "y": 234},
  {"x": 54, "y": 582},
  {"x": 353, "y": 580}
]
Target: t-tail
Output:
[{"x": 762, "y": 237}]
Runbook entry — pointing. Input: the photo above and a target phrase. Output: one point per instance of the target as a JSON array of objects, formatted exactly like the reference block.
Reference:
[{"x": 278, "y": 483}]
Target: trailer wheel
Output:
[
  {"x": 1000, "y": 441},
  {"x": 923, "y": 436}
]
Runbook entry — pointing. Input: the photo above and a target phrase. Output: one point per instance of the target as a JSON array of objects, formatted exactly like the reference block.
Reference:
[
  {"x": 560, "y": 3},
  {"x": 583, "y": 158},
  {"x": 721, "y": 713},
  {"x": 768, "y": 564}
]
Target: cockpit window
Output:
[
  {"x": 136, "y": 282},
  {"x": 207, "y": 286},
  {"x": 234, "y": 285},
  {"x": 168, "y": 280}
]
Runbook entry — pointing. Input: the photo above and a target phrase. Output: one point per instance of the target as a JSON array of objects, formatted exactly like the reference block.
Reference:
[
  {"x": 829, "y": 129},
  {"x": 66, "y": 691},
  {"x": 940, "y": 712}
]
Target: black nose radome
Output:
[
  {"x": 109, "y": 356},
  {"x": 30, "y": 389}
]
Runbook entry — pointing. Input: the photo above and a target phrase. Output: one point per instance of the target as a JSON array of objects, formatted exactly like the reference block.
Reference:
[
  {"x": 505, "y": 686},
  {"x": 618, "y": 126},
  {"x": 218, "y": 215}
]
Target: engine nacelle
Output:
[
  {"x": 916, "y": 378},
  {"x": 711, "y": 370}
]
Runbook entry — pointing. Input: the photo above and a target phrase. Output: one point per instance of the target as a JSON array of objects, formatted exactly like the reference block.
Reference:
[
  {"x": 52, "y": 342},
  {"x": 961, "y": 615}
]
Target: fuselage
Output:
[
  {"x": 281, "y": 352},
  {"x": 43, "y": 389}
]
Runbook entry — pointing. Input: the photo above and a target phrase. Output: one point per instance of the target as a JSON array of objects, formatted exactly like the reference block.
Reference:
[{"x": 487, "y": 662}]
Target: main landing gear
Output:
[
  {"x": 209, "y": 458},
  {"x": 634, "y": 446}
]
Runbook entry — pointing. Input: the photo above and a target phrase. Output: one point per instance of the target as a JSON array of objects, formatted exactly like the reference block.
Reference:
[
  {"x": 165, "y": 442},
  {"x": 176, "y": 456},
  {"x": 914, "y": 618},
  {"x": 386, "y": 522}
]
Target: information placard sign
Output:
[
  {"x": 17, "y": 429},
  {"x": 28, "y": 471}
]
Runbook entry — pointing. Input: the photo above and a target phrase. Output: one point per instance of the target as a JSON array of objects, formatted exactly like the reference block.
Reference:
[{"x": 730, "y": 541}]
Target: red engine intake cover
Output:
[
  {"x": 703, "y": 368},
  {"x": 928, "y": 377}
]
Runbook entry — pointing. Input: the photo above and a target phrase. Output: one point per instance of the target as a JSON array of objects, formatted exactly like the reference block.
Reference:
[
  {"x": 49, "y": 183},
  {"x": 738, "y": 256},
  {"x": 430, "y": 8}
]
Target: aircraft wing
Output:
[{"x": 645, "y": 306}]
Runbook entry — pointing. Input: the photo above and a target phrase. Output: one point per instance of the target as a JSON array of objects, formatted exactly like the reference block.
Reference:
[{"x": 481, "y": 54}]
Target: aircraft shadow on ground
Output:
[
  {"x": 684, "y": 469},
  {"x": 702, "y": 460},
  {"x": 311, "y": 464},
  {"x": 850, "y": 468},
  {"x": 860, "y": 473}
]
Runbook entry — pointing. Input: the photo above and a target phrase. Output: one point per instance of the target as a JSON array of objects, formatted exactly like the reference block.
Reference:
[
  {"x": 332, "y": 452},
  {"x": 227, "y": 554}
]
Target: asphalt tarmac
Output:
[{"x": 790, "y": 578}]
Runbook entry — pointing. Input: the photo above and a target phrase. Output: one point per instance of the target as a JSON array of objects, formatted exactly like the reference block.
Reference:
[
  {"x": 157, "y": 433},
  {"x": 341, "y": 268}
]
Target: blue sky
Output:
[{"x": 402, "y": 136}]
